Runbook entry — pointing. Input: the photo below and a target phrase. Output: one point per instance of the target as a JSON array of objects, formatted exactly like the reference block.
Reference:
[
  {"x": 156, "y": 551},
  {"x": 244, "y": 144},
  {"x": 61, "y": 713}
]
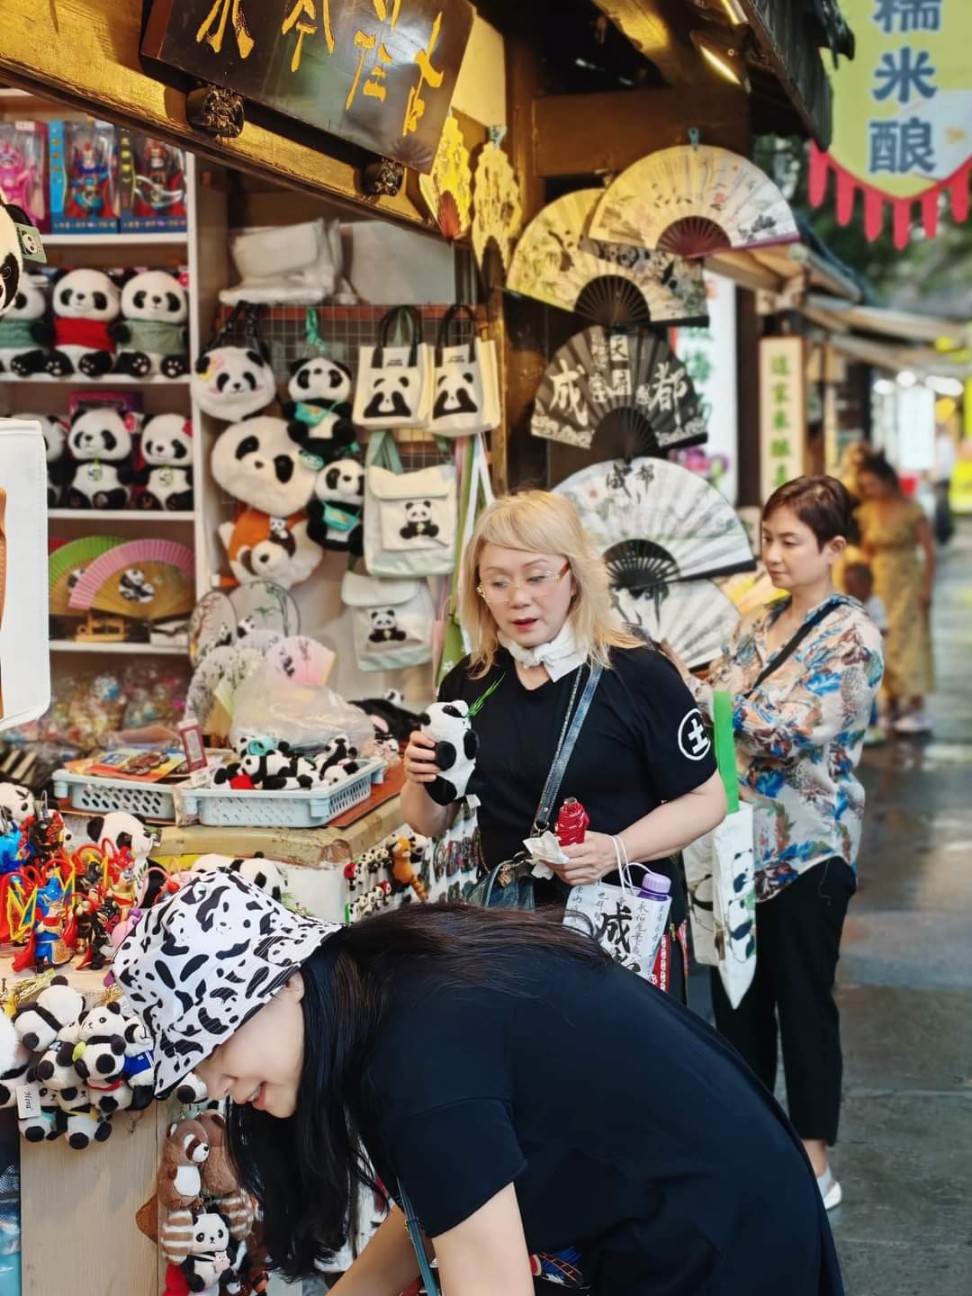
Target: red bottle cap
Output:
[{"x": 572, "y": 822}]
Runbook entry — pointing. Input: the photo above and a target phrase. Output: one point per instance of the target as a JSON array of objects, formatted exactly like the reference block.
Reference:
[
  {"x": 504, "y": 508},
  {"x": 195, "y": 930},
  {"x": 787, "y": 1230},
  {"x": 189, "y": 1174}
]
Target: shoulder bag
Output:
[{"x": 510, "y": 884}]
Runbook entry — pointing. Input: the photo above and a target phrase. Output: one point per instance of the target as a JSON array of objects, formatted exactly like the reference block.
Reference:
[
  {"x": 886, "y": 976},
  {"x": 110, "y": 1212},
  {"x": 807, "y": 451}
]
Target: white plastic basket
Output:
[
  {"x": 219, "y": 807},
  {"x": 96, "y": 795}
]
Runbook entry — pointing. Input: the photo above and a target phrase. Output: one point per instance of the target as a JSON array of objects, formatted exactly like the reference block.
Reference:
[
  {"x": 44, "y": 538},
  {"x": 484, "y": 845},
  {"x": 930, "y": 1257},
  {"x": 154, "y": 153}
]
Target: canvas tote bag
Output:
[
  {"x": 394, "y": 385},
  {"x": 391, "y": 621},
  {"x": 410, "y": 518},
  {"x": 465, "y": 391}
]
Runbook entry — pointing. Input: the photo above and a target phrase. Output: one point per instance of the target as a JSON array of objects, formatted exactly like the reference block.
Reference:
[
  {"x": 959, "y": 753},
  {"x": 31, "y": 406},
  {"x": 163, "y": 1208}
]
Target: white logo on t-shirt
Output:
[{"x": 693, "y": 737}]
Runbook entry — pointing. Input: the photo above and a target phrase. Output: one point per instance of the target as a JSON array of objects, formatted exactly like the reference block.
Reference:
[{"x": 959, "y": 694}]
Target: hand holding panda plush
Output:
[
  {"x": 456, "y": 748},
  {"x": 85, "y": 303},
  {"x": 101, "y": 445},
  {"x": 153, "y": 333},
  {"x": 166, "y": 479}
]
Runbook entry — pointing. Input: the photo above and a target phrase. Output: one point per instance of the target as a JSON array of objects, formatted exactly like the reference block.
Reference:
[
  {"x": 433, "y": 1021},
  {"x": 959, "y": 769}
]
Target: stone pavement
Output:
[{"x": 905, "y": 993}]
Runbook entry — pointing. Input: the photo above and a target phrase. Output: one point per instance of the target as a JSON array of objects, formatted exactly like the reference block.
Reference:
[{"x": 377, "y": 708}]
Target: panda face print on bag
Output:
[
  {"x": 392, "y": 395},
  {"x": 233, "y": 383},
  {"x": 456, "y": 392}
]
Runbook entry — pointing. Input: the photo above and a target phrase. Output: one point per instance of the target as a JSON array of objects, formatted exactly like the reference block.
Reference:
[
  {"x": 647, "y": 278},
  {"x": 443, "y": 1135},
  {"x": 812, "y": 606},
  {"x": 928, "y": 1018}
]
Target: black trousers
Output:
[{"x": 791, "y": 999}]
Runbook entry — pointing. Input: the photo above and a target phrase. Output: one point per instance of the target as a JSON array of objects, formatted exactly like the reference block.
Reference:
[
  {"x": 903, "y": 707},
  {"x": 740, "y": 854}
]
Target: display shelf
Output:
[
  {"x": 117, "y": 515},
  {"x": 124, "y": 238},
  {"x": 133, "y": 649},
  {"x": 114, "y": 380}
]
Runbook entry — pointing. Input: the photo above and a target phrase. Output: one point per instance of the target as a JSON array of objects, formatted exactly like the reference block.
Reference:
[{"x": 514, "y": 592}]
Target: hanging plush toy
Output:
[
  {"x": 456, "y": 746},
  {"x": 319, "y": 411},
  {"x": 26, "y": 331},
  {"x": 11, "y": 256},
  {"x": 335, "y": 513},
  {"x": 17, "y": 802},
  {"x": 55, "y": 432},
  {"x": 277, "y": 549},
  {"x": 15, "y": 1062},
  {"x": 153, "y": 334},
  {"x": 258, "y": 464},
  {"x": 179, "y": 1189},
  {"x": 54, "y": 1014},
  {"x": 85, "y": 304},
  {"x": 221, "y": 1185},
  {"x": 101, "y": 445},
  {"x": 166, "y": 479}
]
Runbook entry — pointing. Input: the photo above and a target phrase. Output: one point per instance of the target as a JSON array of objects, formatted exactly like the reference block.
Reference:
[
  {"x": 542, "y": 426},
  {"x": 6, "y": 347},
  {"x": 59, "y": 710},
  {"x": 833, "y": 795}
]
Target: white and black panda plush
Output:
[
  {"x": 257, "y": 463},
  {"x": 456, "y": 748},
  {"x": 77, "y": 1119},
  {"x": 385, "y": 627},
  {"x": 208, "y": 1257},
  {"x": 261, "y": 872},
  {"x": 11, "y": 255},
  {"x": 319, "y": 411},
  {"x": 100, "y": 444},
  {"x": 418, "y": 520},
  {"x": 17, "y": 802},
  {"x": 124, "y": 831},
  {"x": 85, "y": 304},
  {"x": 233, "y": 383},
  {"x": 334, "y": 515},
  {"x": 152, "y": 334},
  {"x": 15, "y": 1062},
  {"x": 276, "y": 771},
  {"x": 166, "y": 479},
  {"x": 54, "y": 1014},
  {"x": 55, "y": 432},
  {"x": 135, "y": 587},
  {"x": 26, "y": 331}
]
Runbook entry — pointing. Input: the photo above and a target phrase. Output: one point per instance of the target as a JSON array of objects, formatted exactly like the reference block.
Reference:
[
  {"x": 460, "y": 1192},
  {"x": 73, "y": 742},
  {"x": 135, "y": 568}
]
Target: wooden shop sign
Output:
[{"x": 379, "y": 73}]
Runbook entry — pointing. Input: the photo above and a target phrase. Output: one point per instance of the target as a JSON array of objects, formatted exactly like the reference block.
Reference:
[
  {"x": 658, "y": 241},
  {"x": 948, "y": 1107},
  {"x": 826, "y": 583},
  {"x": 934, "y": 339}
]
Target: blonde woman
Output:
[{"x": 536, "y": 604}]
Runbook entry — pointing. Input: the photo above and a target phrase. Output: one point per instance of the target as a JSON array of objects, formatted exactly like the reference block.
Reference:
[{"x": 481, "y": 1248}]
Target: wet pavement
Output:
[{"x": 905, "y": 994}]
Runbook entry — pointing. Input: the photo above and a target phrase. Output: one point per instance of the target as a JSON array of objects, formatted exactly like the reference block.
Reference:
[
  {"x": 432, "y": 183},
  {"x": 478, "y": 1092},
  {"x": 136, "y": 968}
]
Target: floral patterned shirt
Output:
[{"x": 799, "y": 736}]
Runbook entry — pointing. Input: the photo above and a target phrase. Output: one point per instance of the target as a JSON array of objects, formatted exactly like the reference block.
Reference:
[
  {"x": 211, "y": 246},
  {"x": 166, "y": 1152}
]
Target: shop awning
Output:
[
  {"x": 843, "y": 317},
  {"x": 894, "y": 359},
  {"x": 779, "y": 270}
]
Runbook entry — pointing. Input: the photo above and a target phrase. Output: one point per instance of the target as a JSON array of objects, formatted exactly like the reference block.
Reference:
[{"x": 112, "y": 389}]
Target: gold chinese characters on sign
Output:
[
  {"x": 782, "y": 412},
  {"x": 378, "y": 73}
]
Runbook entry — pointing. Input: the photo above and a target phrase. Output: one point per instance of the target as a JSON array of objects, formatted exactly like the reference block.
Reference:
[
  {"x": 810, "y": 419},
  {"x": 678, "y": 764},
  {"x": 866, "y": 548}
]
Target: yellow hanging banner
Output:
[{"x": 902, "y": 115}]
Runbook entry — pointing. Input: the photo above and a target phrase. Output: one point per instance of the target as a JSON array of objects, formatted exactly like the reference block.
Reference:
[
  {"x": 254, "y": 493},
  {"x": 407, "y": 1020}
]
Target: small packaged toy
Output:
[
  {"x": 152, "y": 184},
  {"x": 23, "y": 169},
  {"x": 84, "y": 177}
]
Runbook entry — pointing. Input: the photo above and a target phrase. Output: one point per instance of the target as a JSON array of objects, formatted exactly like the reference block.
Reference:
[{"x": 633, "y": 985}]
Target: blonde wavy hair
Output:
[{"x": 538, "y": 521}]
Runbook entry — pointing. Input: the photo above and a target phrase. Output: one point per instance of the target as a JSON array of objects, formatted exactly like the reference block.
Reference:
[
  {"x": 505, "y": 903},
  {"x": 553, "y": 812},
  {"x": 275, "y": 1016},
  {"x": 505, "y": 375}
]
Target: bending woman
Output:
[
  {"x": 803, "y": 675},
  {"x": 536, "y": 605},
  {"x": 520, "y": 1088}
]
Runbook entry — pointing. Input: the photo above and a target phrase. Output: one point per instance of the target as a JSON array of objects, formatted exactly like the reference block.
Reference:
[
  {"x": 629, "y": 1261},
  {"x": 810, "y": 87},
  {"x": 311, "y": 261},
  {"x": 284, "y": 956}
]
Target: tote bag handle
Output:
[
  {"x": 452, "y": 317},
  {"x": 406, "y": 320},
  {"x": 382, "y": 452}
]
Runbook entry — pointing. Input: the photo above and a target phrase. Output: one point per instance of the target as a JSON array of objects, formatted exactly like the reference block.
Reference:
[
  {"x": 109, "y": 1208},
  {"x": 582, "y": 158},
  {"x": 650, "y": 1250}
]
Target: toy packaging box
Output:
[
  {"x": 152, "y": 184},
  {"x": 83, "y": 164},
  {"x": 23, "y": 169}
]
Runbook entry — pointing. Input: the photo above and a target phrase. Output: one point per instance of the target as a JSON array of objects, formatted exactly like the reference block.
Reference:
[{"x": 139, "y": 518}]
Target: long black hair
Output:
[{"x": 305, "y": 1170}]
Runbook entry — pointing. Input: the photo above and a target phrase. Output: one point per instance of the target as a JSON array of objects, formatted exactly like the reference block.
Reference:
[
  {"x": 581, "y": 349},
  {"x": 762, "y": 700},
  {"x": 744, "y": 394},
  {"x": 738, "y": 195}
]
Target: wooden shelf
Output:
[
  {"x": 106, "y": 380},
  {"x": 120, "y": 649},
  {"x": 116, "y": 515},
  {"x": 126, "y": 238}
]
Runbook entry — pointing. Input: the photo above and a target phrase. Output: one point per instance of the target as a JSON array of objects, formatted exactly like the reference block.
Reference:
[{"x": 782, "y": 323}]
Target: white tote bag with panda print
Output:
[
  {"x": 394, "y": 385},
  {"x": 410, "y": 519},
  {"x": 465, "y": 389},
  {"x": 392, "y": 621}
]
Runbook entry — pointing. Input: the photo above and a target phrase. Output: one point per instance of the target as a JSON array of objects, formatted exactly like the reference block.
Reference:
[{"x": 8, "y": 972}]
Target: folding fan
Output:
[
  {"x": 447, "y": 189},
  {"x": 691, "y": 202},
  {"x": 557, "y": 263},
  {"x": 262, "y": 605},
  {"x": 497, "y": 207},
  {"x": 627, "y": 382},
  {"x": 656, "y": 523},
  {"x": 144, "y": 579},
  {"x": 67, "y": 564},
  {"x": 212, "y": 625},
  {"x": 695, "y": 617}
]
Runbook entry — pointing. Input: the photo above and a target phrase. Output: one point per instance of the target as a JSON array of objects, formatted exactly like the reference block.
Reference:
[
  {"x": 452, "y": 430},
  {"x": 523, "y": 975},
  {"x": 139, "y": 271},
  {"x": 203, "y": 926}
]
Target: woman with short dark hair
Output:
[{"x": 802, "y": 674}]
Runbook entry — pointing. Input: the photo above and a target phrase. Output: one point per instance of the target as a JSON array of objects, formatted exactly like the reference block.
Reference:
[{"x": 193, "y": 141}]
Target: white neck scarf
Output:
[{"x": 560, "y": 656}]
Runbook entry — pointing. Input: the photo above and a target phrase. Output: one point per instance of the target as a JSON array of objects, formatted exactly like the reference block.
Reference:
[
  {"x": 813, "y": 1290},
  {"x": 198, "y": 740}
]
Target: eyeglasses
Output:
[{"x": 499, "y": 589}]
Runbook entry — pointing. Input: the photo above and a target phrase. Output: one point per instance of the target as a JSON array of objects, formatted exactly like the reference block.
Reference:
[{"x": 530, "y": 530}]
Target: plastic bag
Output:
[{"x": 306, "y": 716}]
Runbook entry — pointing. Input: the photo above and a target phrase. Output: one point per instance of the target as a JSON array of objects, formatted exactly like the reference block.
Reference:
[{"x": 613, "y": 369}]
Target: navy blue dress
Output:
[{"x": 630, "y": 1129}]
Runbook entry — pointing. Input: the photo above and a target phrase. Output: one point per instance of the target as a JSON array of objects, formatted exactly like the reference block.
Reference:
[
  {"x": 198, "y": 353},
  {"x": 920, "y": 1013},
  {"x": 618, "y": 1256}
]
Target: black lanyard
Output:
[{"x": 790, "y": 647}]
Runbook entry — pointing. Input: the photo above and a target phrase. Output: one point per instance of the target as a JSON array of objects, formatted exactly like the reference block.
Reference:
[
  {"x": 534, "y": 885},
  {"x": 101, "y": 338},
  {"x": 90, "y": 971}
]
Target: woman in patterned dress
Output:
[
  {"x": 802, "y": 674},
  {"x": 893, "y": 529}
]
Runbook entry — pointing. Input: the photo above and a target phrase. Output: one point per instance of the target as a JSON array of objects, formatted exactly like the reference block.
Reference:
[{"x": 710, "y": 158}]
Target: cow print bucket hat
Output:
[{"x": 202, "y": 962}]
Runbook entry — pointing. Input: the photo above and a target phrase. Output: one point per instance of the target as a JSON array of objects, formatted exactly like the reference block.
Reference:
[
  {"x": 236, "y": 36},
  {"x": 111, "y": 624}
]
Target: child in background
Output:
[{"x": 858, "y": 582}]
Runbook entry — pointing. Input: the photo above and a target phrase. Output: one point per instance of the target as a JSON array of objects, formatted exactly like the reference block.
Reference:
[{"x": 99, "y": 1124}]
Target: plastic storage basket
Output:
[
  {"x": 219, "y": 807},
  {"x": 87, "y": 792}
]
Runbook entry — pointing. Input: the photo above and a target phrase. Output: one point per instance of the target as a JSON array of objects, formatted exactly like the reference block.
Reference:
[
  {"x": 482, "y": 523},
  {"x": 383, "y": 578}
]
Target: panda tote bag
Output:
[
  {"x": 394, "y": 386},
  {"x": 465, "y": 391},
  {"x": 720, "y": 873},
  {"x": 409, "y": 518},
  {"x": 391, "y": 621}
]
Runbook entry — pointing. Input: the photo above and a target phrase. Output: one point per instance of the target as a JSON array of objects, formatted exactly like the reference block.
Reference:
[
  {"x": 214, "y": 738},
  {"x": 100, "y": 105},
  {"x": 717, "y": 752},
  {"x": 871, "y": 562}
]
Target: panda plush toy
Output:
[
  {"x": 319, "y": 411},
  {"x": 456, "y": 748},
  {"x": 86, "y": 302},
  {"x": 100, "y": 443},
  {"x": 277, "y": 549},
  {"x": 26, "y": 331},
  {"x": 166, "y": 478},
  {"x": 153, "y": 334},
  {"x": 257, "y": 463},
  {"x": 334, "y": 515},
  {"x": 16, "y": 802},
  {"x": 55, "y": 446},
  {"x": 233, "y": 383}
]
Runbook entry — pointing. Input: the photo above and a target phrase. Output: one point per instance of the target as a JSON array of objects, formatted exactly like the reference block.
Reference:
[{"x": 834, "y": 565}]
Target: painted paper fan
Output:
[
  {"x": 212, "y": 625},
  {"x": 629, "y": 389},
  {"x": 692, "y": 202},
  {"x": 447, "y": 189},
  {"x": 497, "y": 207},
  {"x": 656, "y": 523},
  {"x": 262, "y": 605},
  {"x": 610, "y": 283},
  {"x": 695, "y": 617},
  {"x": 301, "y": 660},
  {"x": 144, "y": 579},
  {"x": 66, "y": 566}
]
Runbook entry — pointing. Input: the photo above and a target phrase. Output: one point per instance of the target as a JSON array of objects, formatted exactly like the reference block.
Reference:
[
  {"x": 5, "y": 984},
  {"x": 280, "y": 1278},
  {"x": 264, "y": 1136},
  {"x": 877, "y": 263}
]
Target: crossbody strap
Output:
[
  {"x": 415, "y": 1234},
  {"x": 789, "y": 648},
  {"x": 565, "y": 747}
]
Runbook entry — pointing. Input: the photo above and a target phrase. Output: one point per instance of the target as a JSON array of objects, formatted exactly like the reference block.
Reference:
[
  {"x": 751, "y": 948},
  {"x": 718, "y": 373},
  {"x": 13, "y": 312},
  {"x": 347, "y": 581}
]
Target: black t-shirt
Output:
[
  {"x": 643, "y": 742},
  {"x": 631, "y": 1130}
]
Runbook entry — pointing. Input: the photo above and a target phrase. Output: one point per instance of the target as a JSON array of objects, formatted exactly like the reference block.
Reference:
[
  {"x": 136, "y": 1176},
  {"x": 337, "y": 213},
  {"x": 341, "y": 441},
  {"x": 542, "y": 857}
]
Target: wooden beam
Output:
[
  {"x": 85, "y": 53},
  {"x": 596, "y": 133},
  {"x": 654, "y": 28}
]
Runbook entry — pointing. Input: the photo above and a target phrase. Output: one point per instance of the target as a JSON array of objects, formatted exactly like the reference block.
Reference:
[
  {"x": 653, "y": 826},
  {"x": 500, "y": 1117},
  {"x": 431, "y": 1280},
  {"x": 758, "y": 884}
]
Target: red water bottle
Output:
[{"x": 572, "y": 822}]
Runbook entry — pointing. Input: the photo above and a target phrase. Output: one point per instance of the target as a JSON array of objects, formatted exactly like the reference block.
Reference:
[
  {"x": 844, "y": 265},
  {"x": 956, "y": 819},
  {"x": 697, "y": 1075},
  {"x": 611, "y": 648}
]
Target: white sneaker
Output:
[
  {"x": 830, "y": 1189},
  {"x": 914, "y": 722}
]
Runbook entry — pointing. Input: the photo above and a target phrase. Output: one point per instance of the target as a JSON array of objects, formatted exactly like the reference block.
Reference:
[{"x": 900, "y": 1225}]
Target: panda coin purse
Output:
[{"x": 232, "y": 379}]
